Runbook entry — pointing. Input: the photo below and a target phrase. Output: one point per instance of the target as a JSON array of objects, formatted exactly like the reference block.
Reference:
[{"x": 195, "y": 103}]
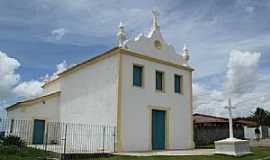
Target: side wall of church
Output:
[
  {"x": 89, "y": 94},
  {"x": 52, "y": 87},
  {"x": 47, "y": 109}
]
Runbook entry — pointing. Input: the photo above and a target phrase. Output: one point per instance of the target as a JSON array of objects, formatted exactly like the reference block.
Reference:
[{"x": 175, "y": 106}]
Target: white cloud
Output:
[
  {"x": 247, "y": 88},
  {"x": 28, "y": 89},
  {"x": 8, "y": 77},
  {"x": 242, "y": 70},
  {"x": 10, "y": 85},
  {"x": 181, "y": 22},
  {"x": 248, "y": 5},
  {"x": 207, "y": 101},
  {"x": 59, "y": 68},
  {"x": 59, "y": 33},
  {"x": 250, "y": 9},
  {"x": 213, "y": 101},
  {"x": 11, "y": 89}
]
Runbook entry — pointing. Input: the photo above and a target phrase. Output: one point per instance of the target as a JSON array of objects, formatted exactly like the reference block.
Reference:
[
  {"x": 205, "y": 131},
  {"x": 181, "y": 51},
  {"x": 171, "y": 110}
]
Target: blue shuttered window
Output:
[
  {"x": 159, "y": 81},
  {"x": 177, "y": 83},
  {"x": 137, "y": 76}
]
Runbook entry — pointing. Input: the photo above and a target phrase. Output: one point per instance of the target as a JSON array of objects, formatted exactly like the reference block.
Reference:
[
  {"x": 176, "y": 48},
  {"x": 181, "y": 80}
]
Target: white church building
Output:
[{"x": 143, "y": 87}]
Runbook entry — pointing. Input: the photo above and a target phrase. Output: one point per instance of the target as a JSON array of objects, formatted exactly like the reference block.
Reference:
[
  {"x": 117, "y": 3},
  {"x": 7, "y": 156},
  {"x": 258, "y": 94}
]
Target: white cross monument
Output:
[
  {"x": 230, "y": 107},
  {"x": 232, "y": 146}
]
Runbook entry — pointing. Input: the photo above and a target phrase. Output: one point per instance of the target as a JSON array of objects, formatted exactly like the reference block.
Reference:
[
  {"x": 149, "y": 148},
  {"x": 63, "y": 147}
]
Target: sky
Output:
[{"x": 229, "y": 43}]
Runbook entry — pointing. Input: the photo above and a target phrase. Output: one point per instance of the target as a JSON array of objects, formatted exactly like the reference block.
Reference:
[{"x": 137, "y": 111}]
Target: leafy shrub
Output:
[
  {"x": 13, "y": 141},
  {"x": 11, "y": 149},
  {"x": 2, "y": 134}
]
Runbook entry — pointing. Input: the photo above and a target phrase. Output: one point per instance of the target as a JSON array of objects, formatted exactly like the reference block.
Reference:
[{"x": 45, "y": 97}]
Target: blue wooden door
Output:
[
  {"x": 158, "y": 130},
  {"x": 38, "y": 133}
]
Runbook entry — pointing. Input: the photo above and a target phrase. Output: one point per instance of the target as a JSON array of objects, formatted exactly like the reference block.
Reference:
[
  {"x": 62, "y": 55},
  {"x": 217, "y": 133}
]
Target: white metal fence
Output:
[{"x": 61, "y": 137}]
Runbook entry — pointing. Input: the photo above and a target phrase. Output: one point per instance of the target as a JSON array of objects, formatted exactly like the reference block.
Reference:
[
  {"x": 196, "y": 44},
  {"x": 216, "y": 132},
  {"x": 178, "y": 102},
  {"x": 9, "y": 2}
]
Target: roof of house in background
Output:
[
  {"x": 204, "y": 119},
  {"x": 246, "y": 122}
]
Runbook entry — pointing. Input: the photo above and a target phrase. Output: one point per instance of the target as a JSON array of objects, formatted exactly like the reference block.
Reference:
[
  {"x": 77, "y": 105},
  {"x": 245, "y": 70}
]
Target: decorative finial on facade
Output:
[
  {"x": 121, "y": 35},
  {"x": 185, "y": 55},
  {"x": 185, "y": 48},
  {"x": 155, "y": 25}
]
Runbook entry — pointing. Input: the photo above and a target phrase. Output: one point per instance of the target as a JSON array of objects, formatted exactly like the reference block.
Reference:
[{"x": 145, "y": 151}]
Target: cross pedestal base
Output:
[{"x": 232, "y": 146}]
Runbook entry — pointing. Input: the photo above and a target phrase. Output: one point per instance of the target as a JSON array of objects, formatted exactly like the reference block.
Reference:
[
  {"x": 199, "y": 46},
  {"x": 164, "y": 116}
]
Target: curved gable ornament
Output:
[{"x": 153, "y": 44}]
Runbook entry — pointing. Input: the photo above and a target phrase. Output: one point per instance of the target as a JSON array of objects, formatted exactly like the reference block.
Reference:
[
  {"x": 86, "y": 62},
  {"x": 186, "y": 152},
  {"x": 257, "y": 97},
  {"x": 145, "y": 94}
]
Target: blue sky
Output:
[{"x": 40, "y": 34}]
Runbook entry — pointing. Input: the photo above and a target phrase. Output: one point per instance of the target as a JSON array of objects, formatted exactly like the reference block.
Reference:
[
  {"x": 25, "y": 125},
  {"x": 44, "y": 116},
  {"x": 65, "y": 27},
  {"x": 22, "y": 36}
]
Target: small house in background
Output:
[
  {"x": 249, "y": 129},
  {"x": 208, "y": 129},
  {"x": 250, "y": 132}
]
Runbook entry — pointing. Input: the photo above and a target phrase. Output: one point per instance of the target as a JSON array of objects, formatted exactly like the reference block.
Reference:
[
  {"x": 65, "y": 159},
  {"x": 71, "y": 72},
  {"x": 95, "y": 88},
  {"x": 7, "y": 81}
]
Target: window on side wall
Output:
[
  {"x": 159, "y": 81},
  {"x": 138, "y": 75},
  {"x": 178, "y": 81}
]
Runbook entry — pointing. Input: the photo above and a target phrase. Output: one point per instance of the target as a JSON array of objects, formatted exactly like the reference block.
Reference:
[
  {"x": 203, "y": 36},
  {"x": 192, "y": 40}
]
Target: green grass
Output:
[
  {"x": 34, "y": 154},
  {"x": 258, "y": 152},
  {"x": 13, "y": 153}
]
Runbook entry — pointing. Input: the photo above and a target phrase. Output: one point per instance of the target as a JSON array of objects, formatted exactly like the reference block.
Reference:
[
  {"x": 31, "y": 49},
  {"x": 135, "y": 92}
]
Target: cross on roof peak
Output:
[
  {"x": 155, "y": 25},
  {"x": 156, "y": 12}
]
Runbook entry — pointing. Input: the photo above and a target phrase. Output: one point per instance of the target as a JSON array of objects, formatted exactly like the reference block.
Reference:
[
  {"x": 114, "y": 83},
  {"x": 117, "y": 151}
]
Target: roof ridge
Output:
[
  {"x": 205, "y": 115},
  {"x": 32, "y": 99}
]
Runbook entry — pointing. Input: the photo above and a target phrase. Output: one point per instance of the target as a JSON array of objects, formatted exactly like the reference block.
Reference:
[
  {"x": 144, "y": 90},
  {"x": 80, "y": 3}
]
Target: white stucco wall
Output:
[
  {"x": 146, "y": 45},
  {"x": 135, "y": 104},
  {"x": 250, "y": 132},
  {"x": 52, "y": 87},
  {"x": 24, "y": 129},
  {"x": 89, "y": 94},
  {"x": 48, "y": 111}
]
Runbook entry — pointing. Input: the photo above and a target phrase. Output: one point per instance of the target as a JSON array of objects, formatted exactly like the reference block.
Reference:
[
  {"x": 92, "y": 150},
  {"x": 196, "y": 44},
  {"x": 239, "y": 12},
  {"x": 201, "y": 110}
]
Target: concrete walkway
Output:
[
  {"x": 193, "y": 152},
  {"x": 260, "y": 143}
]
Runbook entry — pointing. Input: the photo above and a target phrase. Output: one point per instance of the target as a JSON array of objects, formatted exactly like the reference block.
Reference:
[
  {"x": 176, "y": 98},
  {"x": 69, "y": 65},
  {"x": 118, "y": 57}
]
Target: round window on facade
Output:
[{"x": 158, "y": 44}]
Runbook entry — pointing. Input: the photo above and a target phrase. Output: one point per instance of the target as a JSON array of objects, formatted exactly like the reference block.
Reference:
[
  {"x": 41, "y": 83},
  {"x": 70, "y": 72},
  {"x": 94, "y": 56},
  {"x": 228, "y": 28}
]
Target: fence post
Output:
[
  {"x": 114, "y": 141},
  {"x": 65, "y": 142},
  {"x": 103, "y": 139},
  {"x": 46, "y": 139}
]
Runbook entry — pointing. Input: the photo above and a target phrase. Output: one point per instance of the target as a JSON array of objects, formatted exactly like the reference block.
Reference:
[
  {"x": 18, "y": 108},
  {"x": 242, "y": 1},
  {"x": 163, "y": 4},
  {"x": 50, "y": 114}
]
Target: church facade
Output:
[{"x": 143, "y": 87}]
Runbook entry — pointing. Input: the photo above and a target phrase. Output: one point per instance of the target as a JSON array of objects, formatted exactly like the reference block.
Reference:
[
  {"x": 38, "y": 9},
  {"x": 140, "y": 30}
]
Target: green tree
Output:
[
  {"x": 261, "y": 116},
  {"x": 267, "y": 119}
]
